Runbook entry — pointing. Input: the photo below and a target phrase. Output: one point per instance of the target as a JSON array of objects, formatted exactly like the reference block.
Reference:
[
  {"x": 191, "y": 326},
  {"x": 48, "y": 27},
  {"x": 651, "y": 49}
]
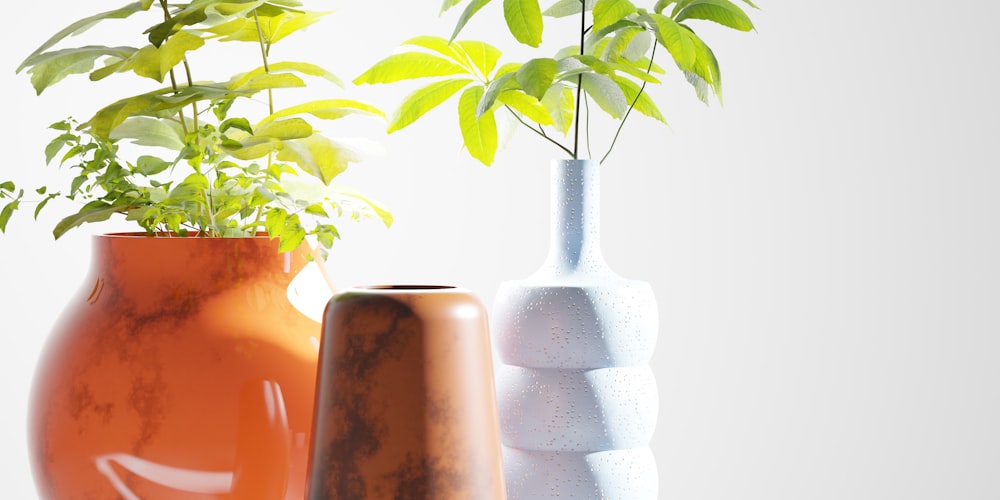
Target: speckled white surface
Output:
[{"x": 578, "y": 401}]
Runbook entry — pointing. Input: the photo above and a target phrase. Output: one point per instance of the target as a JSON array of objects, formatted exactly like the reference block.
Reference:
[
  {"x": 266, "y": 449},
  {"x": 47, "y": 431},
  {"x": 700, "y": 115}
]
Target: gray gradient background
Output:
[{"x": 823, "y": 248}]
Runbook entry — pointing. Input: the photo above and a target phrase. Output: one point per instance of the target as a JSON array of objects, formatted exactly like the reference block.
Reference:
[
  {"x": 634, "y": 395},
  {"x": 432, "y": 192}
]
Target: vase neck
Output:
[{"x": 575, "y": 218}]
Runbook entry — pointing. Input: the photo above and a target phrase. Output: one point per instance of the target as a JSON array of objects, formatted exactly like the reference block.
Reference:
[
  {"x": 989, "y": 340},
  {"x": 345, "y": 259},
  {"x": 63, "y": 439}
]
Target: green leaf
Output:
[
  {"x": 536, "y": 76},
  {"x": 409, "y": 65},
  {"x": 447, "y": 4},
  {"x": 479, "y": 133},
  {"x": 48, "y": 68},
  {"x": 191, "y": 189},
  {"x": 156, "y": 62},
  {"x": 661, "y": 4},
  {"x": 564, "y": 8},
  {"x": 608, "y": 12},
  {"x": 676, "y": 39},
  {"x": 147, "y": 131},
  {"x": 236, "y": 123},
  {"x": 283, "y": 66},
  {"x": 524, "y": 20},
  {"x": 83, "y": 25},
  {"x": 6, "y": 213},
  {"x": 527, "y": 105},
  {"x": 318, "y": 156},
  {"x": 605, "y": 93},
  {"x": 443, "y": 47},
  {"x": 326, "y": 109},
  {"x": 643, "y": 103},
  {"x": 151, "y": 165},
  {"x": 560, "y": 103},
  {"x": 285, "y": 227},
  {"x": 504, "y": 82},
  {"x": 283, "y": 130},
  {"x": 264, "y": 81},
  {"x": 629, "y": 43},
  {"x": 723, "y": 12},
  {"x": 41, "y": 205},
  {"x": 470, "y": 10},
  {"x": 95, "y": 211},
  {"x": 483, "y": 55},
  {"x": 423, "y": 100},
  {"x": 7, "y": 186},
  {"x": 705, "y": 67}
]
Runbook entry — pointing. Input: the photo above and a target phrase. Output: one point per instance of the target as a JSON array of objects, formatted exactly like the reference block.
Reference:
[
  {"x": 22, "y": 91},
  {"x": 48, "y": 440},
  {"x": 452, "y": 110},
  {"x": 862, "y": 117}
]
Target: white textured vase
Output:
[{"x": 578, "y": 400}]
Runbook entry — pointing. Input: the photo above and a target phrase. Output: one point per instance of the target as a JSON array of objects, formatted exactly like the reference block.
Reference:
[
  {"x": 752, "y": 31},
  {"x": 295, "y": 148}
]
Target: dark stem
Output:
[
  {"x": 540, "y": 132},
  {"x": 649, "y": 68},
  {"x": 579, "y": 81}
]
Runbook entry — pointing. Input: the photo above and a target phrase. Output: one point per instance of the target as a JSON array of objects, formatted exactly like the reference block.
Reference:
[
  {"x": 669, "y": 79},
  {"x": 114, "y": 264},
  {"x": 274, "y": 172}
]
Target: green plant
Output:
[
  {"x": 205, "y": 157},
  {"x": 611, "y": 64}
]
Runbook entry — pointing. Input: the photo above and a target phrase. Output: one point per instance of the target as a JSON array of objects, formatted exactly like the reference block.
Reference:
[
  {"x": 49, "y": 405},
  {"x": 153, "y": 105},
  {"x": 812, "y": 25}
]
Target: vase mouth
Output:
[
  {"x": 169, "y": 235},
  {"x": 399, "y": 288}
]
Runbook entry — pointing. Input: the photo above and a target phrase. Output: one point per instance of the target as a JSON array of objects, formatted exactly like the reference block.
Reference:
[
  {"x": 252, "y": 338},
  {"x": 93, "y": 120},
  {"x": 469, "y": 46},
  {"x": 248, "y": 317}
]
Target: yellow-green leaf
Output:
[
  {"x": 608, "y": 12},
  {"x": 156, "y": 62},
  {"x": 409, "y": 65},
  {"x": 524, "y": 20},
  {"x": 536, "y": 76},
  {"x": 470, "y": 10},
  {"x": 46, "y": 69},
  {"x": 483, "y": 55},
  {"x": 723, "y": 12},
  {"x": 423, "y": 100},
  {"x": 564, "y": 8},
  {"x": 527, "y": 105},
  {"x": 676, "y": 39},
  {"x": 643, "y": 103},
  {"x": 291, "y": 128},
  {"x": 326, "y": 109},
  {"x": 443, "y": 47},
  {"x": 318, "y": 156},
  {"x": 478, "y": 133},
  {"x": 560, "y": 103},
  {"x": 605, "y": 93}
]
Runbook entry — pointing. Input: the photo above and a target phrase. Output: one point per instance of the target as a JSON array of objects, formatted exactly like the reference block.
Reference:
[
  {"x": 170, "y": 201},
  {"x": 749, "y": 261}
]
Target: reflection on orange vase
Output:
[
  {"x": 405, "y": 402},
  {"x": 181, "y": 370}
]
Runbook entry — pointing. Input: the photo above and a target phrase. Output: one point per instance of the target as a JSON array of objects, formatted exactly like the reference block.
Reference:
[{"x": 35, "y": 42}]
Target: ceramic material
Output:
[
  {"x": 405, "y": 404},
  {"x": 578, "y": 401},
  {"x": 181, "y": 371}
]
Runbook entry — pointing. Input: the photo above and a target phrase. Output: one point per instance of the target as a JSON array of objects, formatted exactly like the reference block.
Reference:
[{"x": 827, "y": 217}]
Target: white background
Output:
[{"x": 823, "y": 248}]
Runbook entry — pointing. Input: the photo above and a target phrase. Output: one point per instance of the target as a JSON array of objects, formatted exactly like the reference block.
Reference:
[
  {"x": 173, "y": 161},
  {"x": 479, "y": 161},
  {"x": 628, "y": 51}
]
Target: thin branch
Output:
[
  {"x": 540, "y": 132},
  {"x": 579, "y": 81},
  {"x": 586, "y": 103},
  {"x": 652, "y": 55}
]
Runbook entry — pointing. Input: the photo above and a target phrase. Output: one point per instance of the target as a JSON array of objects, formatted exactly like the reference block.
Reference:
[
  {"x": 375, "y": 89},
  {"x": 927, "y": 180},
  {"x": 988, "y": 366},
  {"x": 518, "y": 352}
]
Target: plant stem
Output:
[
  {"x": 264, "y": 49},
  {"x": 586, "y": 104},
  {"x": 541, "y": 133},
  {"x": 579, "y": 81},
  {"x": 173, "y": 77},
  {"x": 627, "y": 112}
]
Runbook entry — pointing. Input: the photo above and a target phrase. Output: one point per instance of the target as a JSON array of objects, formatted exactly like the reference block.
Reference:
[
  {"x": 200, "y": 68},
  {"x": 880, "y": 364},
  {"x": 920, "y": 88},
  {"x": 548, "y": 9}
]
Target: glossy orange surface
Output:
[
  {"x": 179, "y": 371},
  {"x": 405, "y": 400}
]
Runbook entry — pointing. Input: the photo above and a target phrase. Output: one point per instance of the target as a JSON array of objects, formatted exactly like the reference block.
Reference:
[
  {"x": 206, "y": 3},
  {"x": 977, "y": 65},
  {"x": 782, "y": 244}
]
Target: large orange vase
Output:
[
  {"x": 405, "y": 401},
  {"x": 180, "y": 371}
]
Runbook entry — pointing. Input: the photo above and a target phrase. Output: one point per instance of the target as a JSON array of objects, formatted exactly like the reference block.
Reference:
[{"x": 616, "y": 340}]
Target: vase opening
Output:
[{"x": 409, "y": 287}]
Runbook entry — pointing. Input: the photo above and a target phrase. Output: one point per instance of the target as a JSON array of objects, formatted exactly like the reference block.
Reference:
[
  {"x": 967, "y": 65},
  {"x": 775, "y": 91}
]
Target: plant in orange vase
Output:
[{"x": 182, "y": 369}]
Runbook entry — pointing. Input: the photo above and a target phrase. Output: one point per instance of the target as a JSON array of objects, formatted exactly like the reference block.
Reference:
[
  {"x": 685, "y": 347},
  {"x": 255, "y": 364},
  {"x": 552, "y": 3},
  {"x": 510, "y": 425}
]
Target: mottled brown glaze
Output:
[
  {"x": 180, "y": 370},
  {"x": 405, "y": 403}
]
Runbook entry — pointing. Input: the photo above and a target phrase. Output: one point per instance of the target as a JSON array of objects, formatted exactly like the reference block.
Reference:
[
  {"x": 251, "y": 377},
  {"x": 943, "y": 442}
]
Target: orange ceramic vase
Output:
[
  {"x": 180, "y": 371},
  {"x": 405, "y": 402}
]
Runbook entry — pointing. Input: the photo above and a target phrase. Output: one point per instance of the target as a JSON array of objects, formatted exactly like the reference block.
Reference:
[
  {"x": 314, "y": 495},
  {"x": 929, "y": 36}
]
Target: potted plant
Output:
[
  {"x": 182, "y": 367},
  {"x": 578, "y": 401}
]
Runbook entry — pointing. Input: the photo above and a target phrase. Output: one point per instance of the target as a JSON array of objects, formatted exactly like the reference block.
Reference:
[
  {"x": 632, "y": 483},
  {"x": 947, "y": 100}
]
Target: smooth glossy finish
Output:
[
  {"x": 179, "y": 371},
  {"x": 578, "y": 401},
  {"x": 405, "y": 404}
]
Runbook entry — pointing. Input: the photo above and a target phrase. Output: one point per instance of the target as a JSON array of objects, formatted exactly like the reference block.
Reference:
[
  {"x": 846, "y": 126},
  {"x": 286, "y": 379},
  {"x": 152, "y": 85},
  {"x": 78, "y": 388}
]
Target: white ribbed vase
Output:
[{"x": 577, "y": 397}]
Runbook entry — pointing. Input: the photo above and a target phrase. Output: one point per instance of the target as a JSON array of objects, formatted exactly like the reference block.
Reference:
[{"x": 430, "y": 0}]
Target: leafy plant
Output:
[
  {"x": 180, "y": 159},
  {"x": 611, "y": 65}
]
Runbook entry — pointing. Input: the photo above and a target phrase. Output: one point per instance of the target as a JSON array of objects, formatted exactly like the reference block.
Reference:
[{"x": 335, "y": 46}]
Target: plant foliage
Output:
[
  {"x": 187, "y": 158},
  {"x": 610, "y": 65}
]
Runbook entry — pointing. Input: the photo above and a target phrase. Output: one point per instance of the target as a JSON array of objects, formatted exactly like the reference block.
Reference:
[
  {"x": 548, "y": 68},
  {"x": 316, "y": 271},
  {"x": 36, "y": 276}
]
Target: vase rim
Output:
[
  {"x": 407, "y": 288},
  {"x": 175, "y": 236}
]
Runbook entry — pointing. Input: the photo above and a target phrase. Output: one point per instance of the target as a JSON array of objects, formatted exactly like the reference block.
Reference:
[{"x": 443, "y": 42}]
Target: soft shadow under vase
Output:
[{"x": 405, "y": 402}]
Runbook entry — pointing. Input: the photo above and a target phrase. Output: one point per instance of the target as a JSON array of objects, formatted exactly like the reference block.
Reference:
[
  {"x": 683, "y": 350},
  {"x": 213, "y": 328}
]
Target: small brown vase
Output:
[{"x": 405, "y": 405}]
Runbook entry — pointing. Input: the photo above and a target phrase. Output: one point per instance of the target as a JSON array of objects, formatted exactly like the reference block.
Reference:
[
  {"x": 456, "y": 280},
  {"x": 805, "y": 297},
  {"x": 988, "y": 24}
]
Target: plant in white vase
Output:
[{"x": 578, "y": 401}]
